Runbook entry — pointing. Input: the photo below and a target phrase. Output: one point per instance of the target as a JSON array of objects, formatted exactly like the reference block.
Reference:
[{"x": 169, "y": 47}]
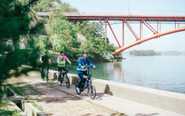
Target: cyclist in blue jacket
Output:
[{"x": 81, "y": 70}]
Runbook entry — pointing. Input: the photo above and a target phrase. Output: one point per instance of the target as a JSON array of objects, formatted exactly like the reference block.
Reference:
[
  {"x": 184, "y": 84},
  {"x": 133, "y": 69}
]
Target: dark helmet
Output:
[
  {"x": 84, "y": 51},
  {"x": 62, "y": 51},
  {"x": 45, "y": 51}
]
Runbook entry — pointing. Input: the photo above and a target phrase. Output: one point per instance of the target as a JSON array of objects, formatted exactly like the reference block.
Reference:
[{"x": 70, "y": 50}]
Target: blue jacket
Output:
[{"x": 82, "y": 62}]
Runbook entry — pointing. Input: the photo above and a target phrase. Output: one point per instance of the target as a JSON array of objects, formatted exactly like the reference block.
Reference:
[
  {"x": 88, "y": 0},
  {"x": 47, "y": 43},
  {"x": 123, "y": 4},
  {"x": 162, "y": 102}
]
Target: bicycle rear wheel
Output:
[
  {"x": 92, "y": 92},
  {"x": 67, "y": 82}
]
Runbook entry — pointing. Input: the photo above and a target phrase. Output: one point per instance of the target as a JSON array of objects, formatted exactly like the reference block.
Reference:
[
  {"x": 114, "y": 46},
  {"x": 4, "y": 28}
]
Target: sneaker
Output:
[
  {"x": 59, "y": 83},
  {"x": 78, "y": 90}
]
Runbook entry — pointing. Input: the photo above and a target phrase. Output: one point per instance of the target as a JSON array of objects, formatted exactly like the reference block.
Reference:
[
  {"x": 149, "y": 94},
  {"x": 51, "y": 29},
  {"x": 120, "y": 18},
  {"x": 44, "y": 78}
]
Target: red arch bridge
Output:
[{"x": 143, "y": 19}]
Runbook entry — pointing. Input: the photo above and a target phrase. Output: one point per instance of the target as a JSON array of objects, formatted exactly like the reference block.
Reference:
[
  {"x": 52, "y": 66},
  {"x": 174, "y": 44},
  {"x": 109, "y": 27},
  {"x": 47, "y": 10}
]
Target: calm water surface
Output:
[{"x": 158, "y": 72}]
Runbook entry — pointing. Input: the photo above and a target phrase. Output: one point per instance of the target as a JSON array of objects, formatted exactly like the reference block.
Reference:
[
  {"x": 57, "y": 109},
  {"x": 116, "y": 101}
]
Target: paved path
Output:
[
  {"x": 56, "y": 102},
  {"x": 125, "y": 106}
]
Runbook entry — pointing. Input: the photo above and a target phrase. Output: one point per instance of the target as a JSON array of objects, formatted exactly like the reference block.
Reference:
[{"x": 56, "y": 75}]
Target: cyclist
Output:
[
  {"x": 81, "y": 70},
  {"x": 61, "y": 60},
  {"x": 45, "y": 60}
]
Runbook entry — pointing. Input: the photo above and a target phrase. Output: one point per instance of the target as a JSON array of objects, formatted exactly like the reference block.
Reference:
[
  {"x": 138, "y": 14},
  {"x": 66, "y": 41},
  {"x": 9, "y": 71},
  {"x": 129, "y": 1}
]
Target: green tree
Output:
[
  {"x": 52, "y": 5},
  {"x": 15, "y": 21},
  {"x": 66, "y": 36},
  {"x": 43, "y": 42}
]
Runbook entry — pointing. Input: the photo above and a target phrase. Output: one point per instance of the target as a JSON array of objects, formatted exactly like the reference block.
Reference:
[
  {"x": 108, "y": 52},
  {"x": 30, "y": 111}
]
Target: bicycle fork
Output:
[{"x": 89, "y": 85}]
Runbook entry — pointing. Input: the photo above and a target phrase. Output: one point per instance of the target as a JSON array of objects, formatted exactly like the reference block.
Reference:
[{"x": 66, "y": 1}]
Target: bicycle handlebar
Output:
[{"x": 88, "y": 66}]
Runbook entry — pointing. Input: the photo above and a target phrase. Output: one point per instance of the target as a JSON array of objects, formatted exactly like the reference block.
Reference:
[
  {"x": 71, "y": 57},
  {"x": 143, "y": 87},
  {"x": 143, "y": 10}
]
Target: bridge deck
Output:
[{"x": 123, "y": 17}]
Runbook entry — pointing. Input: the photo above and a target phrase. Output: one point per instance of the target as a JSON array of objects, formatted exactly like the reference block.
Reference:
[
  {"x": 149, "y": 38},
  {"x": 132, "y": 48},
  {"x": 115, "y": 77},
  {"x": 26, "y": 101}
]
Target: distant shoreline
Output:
[{"x": 154, "y": 53}]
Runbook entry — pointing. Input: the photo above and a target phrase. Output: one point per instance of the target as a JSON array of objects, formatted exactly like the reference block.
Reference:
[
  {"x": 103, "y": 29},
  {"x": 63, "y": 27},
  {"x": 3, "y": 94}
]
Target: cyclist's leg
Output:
[
  {"x": 48, "y": 65},
  {"x": 47, "y": 69},
  {"x": 60, "y": 73},
  {"x": 80, "y": 74},
  {"x": 42, "y": 71}
]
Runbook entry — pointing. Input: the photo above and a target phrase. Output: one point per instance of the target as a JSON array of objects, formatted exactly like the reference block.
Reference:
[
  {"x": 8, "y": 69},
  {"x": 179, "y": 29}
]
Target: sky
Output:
[{"x": 171, "y": 42}]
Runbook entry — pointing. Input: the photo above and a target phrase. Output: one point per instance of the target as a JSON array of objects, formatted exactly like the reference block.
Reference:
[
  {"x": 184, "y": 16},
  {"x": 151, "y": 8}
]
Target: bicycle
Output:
[
  {"x": 91, "y": 89},
  {"x": 64, "y": 74}
]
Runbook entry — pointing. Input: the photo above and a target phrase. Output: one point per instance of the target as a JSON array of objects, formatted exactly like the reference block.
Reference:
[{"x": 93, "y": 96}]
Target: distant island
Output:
[
  {"x": 173, "y": 53},
  {"x": 154, "y": 53},
  {"x": 143, "y": 53}
]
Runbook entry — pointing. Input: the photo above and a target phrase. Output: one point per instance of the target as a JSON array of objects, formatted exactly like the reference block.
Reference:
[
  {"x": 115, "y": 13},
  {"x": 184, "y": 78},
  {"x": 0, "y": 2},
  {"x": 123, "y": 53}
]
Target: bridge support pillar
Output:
[
  {"x": 141, "y": 30},
  {"x": 123, "y": 34},
  {"x": 105, "y": 34}
]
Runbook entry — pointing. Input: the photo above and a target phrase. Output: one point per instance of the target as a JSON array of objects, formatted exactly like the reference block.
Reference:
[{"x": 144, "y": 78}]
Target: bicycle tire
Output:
[
  {"x": 77, "y": 82},
  {"x": 61, "y": 80},
  {"x": 67, "y": 82},
  {"x": 92, "y": 93}
]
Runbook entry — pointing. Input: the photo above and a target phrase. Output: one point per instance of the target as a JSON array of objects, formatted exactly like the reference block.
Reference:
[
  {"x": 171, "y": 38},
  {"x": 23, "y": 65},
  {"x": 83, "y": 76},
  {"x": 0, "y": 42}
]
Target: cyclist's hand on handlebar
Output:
[
  {"x": 82, "y": 66},
  {"x": 70, "y": 63},
  {"x": 94, "y": 66}
]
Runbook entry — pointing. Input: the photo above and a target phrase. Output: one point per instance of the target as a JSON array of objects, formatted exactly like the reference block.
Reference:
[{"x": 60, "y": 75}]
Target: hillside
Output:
[{"x": 64, "y": 35}]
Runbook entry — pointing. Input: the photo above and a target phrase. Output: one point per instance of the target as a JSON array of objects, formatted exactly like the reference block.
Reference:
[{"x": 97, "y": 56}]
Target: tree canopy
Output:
[
  {"x": 52, "y": 5},
  {"x": 18, "y": 22}
]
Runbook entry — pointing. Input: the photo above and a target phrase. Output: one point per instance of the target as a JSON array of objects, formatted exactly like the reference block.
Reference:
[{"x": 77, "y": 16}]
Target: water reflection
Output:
[{"x": 119, "y": 71}]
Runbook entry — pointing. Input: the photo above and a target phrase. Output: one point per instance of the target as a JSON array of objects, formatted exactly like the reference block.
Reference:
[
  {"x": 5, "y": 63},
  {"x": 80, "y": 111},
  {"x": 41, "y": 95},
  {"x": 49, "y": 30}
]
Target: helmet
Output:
[
  {"x": 45, "y": 51},
  {"x": 84, "y": 51},
  {"x": 62, "y": 51}
]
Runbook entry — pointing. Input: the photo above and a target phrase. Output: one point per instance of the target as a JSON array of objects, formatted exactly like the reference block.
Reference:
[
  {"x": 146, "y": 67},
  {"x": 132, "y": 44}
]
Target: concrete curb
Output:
[{"x": 17, "y": 108}]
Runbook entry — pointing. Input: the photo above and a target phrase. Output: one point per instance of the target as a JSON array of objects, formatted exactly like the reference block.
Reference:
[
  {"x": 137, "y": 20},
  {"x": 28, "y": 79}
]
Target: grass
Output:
[
  {"x": 107, "y": 108},
  {"x": 88, "y": 101},
  {"x": 120, "y": 113},
  {"x": 5, "y": 109},
  {"x": 50, "y": 106},
  {"x": 37, "y": 106}
]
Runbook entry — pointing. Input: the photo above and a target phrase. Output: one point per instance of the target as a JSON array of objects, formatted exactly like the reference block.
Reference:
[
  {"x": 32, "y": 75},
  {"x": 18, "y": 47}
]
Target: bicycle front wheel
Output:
[
  {"x": 67, "y": 82},
  {"x": 77, "y": 82},
  {"x": 92, "y": 92}
]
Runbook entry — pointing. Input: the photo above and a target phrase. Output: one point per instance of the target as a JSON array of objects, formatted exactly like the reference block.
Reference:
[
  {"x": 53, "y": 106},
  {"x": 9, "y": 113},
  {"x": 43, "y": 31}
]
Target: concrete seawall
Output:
[
  {"x": 158, "y": 98},
  {"x": 162, "y": 99}
]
